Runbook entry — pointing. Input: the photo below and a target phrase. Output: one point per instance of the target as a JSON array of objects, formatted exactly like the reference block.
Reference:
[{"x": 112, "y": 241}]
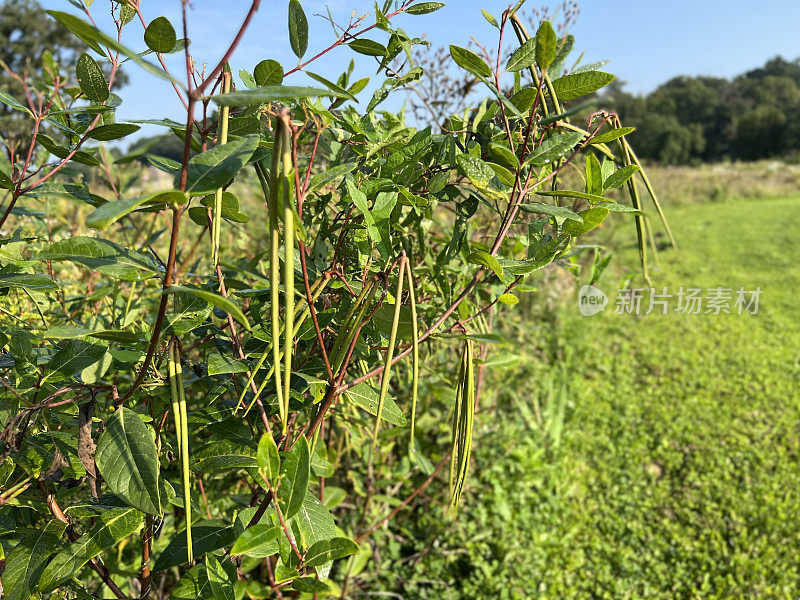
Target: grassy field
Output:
[{"x": 664, "y": 461}]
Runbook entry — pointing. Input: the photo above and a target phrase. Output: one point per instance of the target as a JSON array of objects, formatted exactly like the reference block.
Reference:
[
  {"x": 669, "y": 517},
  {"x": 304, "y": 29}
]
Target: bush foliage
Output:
[{"x": 208, "y": 396}]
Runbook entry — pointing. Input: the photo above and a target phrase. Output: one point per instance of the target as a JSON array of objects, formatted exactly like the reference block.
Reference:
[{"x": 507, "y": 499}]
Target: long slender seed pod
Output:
[
  {"x": 648, "y": 228},
  {"x": 288, "y": 266},
  {"x": 173, "y": 392},
  {"x": 274, "y": 263},
  {"x": 185, "y": 477},
  {"x": 463, "y": 424},
  {"x": 454, "y": 439},
  {"x": 349, "y": 326},
  {"x": 387, "y": 371},
  {"x": 523, "y": 36},
  {"x": 316, "y": 290},
  {"x": 652, "y": 192},
  {"x": 415, "y": 352},
  {"x": 636, "y": 202},
  {"x": 216, "y": 228},
  {"x": 298, "y": 324}
]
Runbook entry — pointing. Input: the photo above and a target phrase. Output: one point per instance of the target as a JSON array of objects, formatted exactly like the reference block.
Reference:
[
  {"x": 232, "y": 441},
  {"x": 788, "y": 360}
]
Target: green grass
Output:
[{"x": 677, "y": 473}]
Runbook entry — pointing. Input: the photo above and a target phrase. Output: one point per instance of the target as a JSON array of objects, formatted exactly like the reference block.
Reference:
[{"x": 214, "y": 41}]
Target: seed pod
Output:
[
  {"x": 463, "y": 422},
  {"x": 415, "y": 352},
  {"x": 288, "y": 266},
  {"x": 182, "y": 429},
  {"x": 387, "y": 369},
  {"x": 216, "y": 225}
]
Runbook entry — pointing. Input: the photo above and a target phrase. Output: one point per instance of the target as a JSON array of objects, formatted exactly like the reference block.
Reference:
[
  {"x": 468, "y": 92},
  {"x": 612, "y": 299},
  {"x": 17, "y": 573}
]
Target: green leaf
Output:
[
  {"x": 223, "y": 455},
  {"x": 230, "y": 209},
  {"x": 193, "y": 585},
  {"x": 190, "y": 312},
  {"x": 592, "y": 217},
  {"x": 309, "y": 585},
  {"x": 91, "y": 35},
  {"x": 594, "y": 175},
  {"x": 104, "y": 256},
  {"x": 368, "y": 47},
  {"x": 12, "y": 102},
  {"x": 219, "y": 364},
  {"x": 328, "y": 550},
  {"x": 503, "y": 155},
  {"x": 160, "y": 35},
  {"x": 298, "y": 28},
  {"x": 127, "y": 458},
  {"x": 269, "y": 461},
  {"x": 523, "y": 57},
  {"x": 620, "y": 176},
  {"x": 295, "y": 472},
  {"x": 207, "y": 536},
  {"x": 576, "y": 85},
  {"x": 95, "y": 372},
  {"x": 224, "y": 304},
  {"x": 366, "y": 397},
  {"x": 546, "y": 44},
  {"x": 269, "y": 93},
  {"x": 487, "y": 260},
  {"x": 81, "y": 29},
  {"x": 336, "y": 89},
  {"x": 392, "y": 83},
  {"x": 322, "y": 179},
  {"x": 68, "y": 332},
  {"x": 33, "y": 282},
  {"x": 64, "y": 153},
  {"x": 610, "y": 136},
  {"x": 116, "y": 131},
  {"x": 110, "y": 212},
  {"x": 548, "y": 209},
  {"x": 214, "y": 168},
  {"x": 509, "y": 299},
  {"x": 26, "y": 562},
  {"x": 423, "y": 8},
  {"x": 91, "y": 79},
  {"x": 572, "y": 194},
  {"x": 383, "y": 320},
  {"x": 268, "y": 72},
  {"x": 377, "y": 220},
  {"x": 219, "y": 579},
  {"x": 565, "y": 46},
  {"x": 258, "y": 541},
  {"x": 469, "y": 61},
  {"x": 553, "y": 148},
  {"x": 482, "y": 176},
  {"x": 490, "y": 18},
  {"x": 112, "y": 527},
  {"x": 621, "y": 208},
  {"x": 74, "y": 356},
  {"x": 5, "y": 181},
  {"x": 313, "y": 522}
]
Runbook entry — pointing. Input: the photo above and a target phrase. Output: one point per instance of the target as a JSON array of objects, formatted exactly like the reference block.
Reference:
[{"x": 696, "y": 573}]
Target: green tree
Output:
[{"x": 24, "y": 38}]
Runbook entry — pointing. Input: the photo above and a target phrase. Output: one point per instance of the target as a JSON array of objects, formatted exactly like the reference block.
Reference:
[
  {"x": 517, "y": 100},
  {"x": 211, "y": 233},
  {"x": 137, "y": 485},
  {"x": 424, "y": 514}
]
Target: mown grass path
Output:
[
  {"x": 684, "y": 438},
  {"x": 676, "y": 473}
]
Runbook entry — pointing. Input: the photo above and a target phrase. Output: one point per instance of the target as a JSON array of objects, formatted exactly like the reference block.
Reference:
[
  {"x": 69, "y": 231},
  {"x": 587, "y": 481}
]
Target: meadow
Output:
[{"x": 660, "y": 460}]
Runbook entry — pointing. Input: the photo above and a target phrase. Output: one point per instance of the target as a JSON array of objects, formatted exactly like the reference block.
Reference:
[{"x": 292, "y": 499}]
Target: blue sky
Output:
[{"x": 646, "y": 41}]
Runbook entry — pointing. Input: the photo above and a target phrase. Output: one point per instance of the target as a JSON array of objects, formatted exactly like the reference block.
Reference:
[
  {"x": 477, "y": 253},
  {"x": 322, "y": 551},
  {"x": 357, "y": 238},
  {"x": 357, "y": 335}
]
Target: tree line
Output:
[{"x": 752, "y": 116}]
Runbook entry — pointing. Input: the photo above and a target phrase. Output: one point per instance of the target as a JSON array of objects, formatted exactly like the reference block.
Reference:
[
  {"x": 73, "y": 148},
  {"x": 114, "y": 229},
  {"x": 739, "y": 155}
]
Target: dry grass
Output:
[{"x": 724, "y": 181}]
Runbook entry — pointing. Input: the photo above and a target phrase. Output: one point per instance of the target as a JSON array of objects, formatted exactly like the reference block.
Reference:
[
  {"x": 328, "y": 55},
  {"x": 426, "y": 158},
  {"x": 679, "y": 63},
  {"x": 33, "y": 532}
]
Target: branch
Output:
[{"x": 101, "y": 570}]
